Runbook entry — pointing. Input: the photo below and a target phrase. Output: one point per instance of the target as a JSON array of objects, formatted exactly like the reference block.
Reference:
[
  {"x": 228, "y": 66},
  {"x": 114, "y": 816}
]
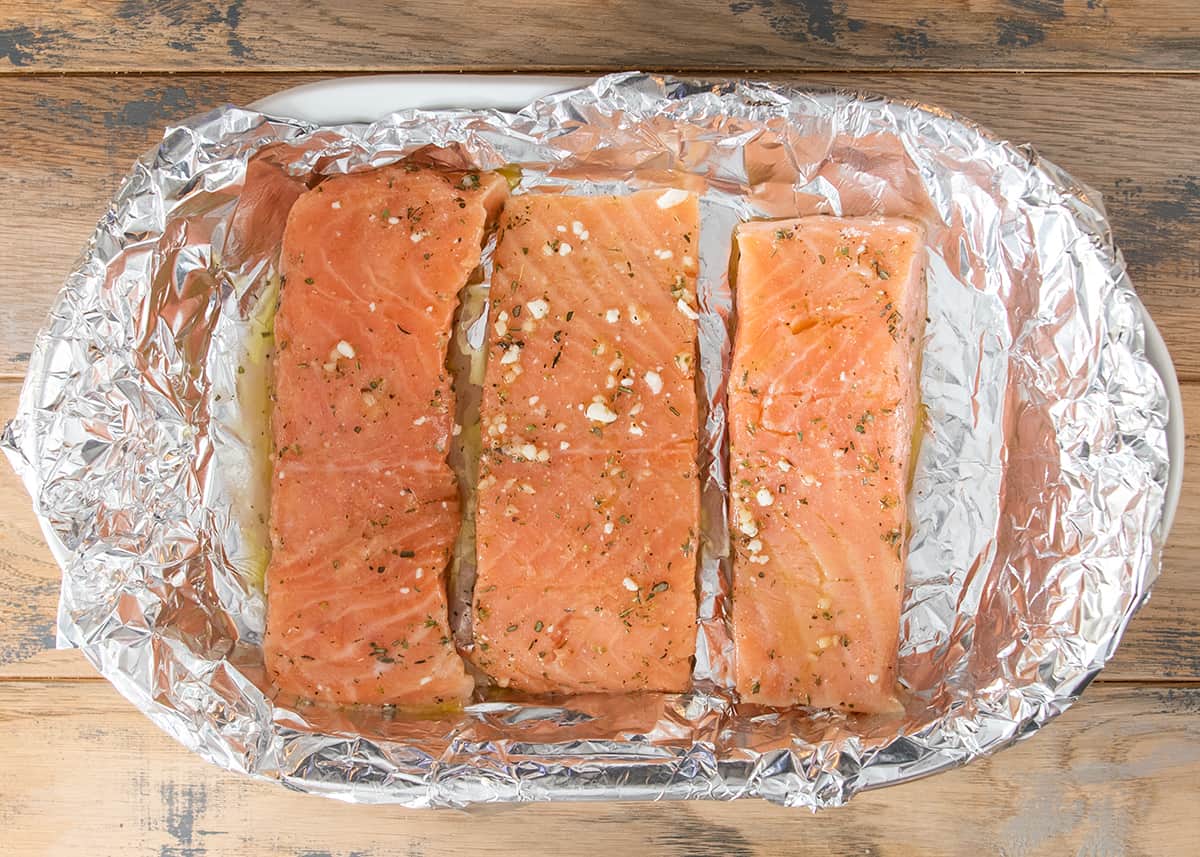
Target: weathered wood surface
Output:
[
  {"x": 68, "y": 141},
  {"x": 501, "y": 35},
  {"x": 1116, "y": 775}
]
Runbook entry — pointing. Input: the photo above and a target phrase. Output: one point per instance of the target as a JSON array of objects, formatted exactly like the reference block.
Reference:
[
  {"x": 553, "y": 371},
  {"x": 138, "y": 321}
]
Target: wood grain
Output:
[
  {"x": 1115, "y": 775},
  {"x": 1163, "y": 642},
  {"x": 29, "y": 577},
  {"x": 498, "y": 35},
  {"x": 68, "y": 142}
]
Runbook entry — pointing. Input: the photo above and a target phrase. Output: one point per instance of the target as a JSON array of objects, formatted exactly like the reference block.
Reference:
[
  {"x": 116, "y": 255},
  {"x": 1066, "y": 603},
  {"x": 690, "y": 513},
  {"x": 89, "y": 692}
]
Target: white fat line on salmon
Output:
[{"x": 671, "y": 198}]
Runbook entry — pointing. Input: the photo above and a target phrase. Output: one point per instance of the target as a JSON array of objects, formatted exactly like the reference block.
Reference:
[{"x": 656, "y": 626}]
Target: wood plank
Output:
[
  {"x": 269, "y": 35},
  {"x": 68, "y": 141},
  {"x": 1163, "y": 642},
  {"x": 29, "y": 577},
  {"x": 1122, "y": 762},
  {"x": 50, "y": 665}
]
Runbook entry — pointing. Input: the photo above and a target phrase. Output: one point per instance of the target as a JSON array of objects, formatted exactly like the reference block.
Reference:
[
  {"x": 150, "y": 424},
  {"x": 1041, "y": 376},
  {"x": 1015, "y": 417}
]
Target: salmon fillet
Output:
[
  {"x": 588, "y": 512},
  {"x": 822, "y": 403},
  {"x": 365, "y": 509}
]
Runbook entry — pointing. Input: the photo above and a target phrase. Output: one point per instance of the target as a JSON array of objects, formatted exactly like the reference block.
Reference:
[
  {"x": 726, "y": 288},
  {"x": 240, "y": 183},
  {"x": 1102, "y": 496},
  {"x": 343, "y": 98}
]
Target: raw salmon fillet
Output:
[
  {"x": 588, "y": 513},
  {"x": 822, "y": 402},
  {"x": 364, "y": 509}
]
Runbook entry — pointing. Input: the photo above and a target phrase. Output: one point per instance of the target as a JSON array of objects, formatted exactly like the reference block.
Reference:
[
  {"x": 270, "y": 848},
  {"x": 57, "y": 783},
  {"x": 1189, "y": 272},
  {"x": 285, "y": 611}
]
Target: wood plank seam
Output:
[{"x": 686, "y": 72}]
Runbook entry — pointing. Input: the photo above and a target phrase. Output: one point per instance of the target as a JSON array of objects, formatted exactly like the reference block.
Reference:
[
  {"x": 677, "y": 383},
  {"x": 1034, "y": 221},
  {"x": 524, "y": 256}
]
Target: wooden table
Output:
[{"x": 1107, "y": 89}]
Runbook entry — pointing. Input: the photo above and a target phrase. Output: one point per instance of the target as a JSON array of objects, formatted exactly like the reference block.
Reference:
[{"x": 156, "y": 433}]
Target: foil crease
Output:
[{"x": 1036, "y": 503}]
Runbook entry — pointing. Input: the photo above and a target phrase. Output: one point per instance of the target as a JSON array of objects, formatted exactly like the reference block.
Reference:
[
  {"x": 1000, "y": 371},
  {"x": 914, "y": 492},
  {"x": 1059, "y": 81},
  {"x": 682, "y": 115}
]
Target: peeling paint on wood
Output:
[
  {"x": 424, "y": 35},
  {"x": 914, "y": 41},
  {"x": 190, "y": 24},
  {"x": 1046, "y": 10},
  {"x": 1018, "y": 33},
  {"x": 24, "y": 47},
  {"x": 155, "y": 108},
  {"x": 802, "y": 20},
  {"x": 182, "y": 804},
  {"x": 1166, "y": 215}
]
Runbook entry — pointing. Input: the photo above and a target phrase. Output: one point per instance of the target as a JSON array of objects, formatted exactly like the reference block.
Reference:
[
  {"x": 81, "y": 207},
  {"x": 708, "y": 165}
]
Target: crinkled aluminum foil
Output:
[{"x": 1036, "y": 504}]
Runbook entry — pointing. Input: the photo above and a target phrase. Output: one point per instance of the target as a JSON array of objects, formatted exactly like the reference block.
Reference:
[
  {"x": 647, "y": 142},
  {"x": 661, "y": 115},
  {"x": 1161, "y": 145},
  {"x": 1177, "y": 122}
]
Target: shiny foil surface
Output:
[{"x": 1036, "y": 503}]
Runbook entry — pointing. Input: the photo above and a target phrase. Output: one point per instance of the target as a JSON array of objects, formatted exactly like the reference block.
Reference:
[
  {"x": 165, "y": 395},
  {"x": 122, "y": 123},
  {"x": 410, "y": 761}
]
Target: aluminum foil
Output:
[{"x": 1036, "y": 504}]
